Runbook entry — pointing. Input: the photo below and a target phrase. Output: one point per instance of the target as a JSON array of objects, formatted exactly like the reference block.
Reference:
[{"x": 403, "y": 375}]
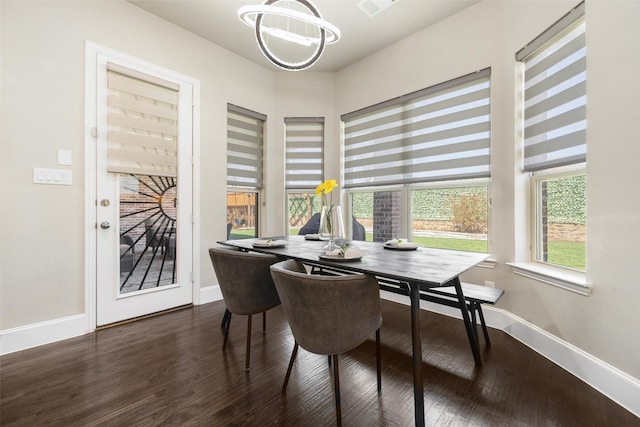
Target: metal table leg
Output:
[{"x": 418, "y": 388}]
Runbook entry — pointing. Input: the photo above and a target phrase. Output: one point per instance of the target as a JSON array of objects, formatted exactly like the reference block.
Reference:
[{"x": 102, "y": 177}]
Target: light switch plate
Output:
[
  {"x": 52, "y": 176},
  {"x": 64, "y": 157}
]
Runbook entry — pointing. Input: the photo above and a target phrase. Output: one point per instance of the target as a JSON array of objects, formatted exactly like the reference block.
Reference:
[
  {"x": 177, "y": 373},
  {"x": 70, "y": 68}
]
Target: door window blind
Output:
[
  {"x": 304, "y": 140},
  {"x": 142, "y": 122},
  {"x": 555, "y": 94},
  {"x": 435, "y": 134},
  {"x": 244, "y": 147}
]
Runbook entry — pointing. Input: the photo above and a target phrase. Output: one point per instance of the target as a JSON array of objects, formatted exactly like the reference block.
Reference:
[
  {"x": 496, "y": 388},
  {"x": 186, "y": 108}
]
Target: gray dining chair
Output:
[
  {"x": 246, "y": 285},
  {"x": 328, "y": 315},
  {"x": 312, "y": 226}
]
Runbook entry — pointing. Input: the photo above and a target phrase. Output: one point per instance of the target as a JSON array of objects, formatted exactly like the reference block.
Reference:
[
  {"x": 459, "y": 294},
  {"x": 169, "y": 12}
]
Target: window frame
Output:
[
  {"x": 546, "y": 47},
  {"x": 293, "y": 189},
  {"x": 406, "y": 200},
  {"x": 258, "y": 188},
  {"x": 286, "y": 203},
  {"x": 536, "y": 178},
  {"x": 247, "y": 190}
]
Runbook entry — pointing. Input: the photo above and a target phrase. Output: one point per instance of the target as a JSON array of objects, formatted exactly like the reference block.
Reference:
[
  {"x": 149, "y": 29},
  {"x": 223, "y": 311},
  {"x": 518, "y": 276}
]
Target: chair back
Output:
[
  {"x": 313, "y": 227},
  {"x": 245, "y": 280},
  {"x": 328, "y": 314}
]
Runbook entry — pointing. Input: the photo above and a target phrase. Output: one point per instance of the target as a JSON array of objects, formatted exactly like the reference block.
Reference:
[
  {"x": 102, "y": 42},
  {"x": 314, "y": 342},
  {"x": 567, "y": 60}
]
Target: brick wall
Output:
[{"x": 386, "y": 215}]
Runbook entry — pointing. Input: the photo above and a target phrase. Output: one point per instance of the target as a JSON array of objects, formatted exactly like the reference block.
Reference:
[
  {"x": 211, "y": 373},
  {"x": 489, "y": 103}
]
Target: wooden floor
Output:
[{"x": 170, "y": 370}]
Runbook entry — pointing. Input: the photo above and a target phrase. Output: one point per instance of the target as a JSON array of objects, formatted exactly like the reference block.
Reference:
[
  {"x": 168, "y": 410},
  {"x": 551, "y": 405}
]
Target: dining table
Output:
[{"x": 409, "y": 268}]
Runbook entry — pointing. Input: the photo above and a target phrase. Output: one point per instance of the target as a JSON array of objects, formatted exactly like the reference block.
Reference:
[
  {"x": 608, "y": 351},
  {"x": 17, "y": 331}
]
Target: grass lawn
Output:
[
  {"x": 448, "y": 243},
  {"x": 242, "y": 233},
  {"x": 568, "y": 254}
]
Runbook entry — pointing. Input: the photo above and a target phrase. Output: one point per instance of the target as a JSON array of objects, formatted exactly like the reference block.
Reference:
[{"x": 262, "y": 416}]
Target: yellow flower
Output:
[
  {"x": 322, "y": 190},
  {"x": 326, "y": 187}
]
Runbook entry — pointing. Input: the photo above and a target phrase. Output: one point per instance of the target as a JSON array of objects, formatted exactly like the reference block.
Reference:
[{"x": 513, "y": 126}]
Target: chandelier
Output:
[{"x": 290, "y": 33}]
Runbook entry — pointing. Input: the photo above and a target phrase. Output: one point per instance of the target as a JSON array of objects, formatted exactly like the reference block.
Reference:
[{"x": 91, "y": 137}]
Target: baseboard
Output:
[
  {"x": 608, "y": 380},
  {"x": 24, "y": 337},
  {"x": 210, "y": 294}
]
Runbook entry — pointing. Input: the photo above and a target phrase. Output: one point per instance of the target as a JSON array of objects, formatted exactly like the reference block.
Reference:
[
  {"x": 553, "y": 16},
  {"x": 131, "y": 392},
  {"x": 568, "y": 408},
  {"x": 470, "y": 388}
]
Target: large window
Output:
[
  {"x": 304, "y": 168},
  {"x": 430, "y": 145},
  {"x": 244, "y": 171},
  {"x": 554, "y": 137}
]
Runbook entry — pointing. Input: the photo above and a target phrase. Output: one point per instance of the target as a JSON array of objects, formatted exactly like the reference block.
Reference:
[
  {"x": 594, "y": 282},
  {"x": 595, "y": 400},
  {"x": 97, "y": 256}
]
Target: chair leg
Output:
[
  {"x": 293, "y": 358},
  {"x": 378, "y": 361},
  {"x": 225, "y": 319},
  {"x": 225, "y": 331},
  {"x": 247, "y": 357},
  {"x": 336, "y": 380},
  {"x": 264, "y": 321}
]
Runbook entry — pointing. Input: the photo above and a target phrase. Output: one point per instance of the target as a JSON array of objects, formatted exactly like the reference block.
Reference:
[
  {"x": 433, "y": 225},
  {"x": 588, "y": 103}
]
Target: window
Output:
[
  {"x": 304, "y": 140},
  {"x": 244, "y": 171},
  {"x": 451, "y": 217},
  {"x": 419, "y": 147},
  {"x": 379, "y": 211},
  {"x": 559, "y": 230},
  {"x": 555, "y": 136}
]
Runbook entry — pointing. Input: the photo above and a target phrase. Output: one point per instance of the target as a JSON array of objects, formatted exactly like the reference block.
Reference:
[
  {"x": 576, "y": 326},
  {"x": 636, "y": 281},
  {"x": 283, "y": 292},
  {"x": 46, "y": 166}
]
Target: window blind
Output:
[
  {"x": 304, "y": 140},
  {"x": 244, "y": 147},
  {"x": 555, "y": 94},
  {"x": 142, "y": 122},
  {"x": 439, "y": 133}
]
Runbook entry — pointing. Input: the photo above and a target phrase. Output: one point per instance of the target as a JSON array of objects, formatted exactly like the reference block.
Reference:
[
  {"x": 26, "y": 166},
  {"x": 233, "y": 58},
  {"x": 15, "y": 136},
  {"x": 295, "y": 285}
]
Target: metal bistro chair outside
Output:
[
  {"x": 328, "y": 315},
  {"x": 247, "y": 287}
]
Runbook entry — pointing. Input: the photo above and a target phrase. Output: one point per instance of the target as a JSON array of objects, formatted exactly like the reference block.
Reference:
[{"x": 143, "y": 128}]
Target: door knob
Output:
[{"x": 104, "y": 225}]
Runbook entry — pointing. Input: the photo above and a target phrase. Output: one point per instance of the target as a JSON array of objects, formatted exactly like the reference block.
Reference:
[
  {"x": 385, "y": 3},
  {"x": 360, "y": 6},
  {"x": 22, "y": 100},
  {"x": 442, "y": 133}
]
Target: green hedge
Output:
[
  {"x": 565, "y": 201},
  {"x": 431, "y": 204}
]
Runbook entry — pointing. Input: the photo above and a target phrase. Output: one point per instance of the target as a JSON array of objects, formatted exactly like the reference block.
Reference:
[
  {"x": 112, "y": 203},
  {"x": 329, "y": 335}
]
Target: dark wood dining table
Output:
[{"x": 416, "y": 270}]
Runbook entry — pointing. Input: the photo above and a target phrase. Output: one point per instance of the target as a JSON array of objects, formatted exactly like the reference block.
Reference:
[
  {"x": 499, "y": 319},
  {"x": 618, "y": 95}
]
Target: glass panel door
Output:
[{"x": 148, "y": 233}]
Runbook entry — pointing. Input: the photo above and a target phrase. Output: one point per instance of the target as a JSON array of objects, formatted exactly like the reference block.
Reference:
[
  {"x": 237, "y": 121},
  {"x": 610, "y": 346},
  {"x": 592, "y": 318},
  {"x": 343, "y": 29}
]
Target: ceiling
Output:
[{"x": 217, "y": 21}]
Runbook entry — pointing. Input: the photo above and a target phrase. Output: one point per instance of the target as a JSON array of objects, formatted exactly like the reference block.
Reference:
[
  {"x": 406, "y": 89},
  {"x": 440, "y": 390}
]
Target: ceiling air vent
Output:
[{"x": 373, "y": 7}]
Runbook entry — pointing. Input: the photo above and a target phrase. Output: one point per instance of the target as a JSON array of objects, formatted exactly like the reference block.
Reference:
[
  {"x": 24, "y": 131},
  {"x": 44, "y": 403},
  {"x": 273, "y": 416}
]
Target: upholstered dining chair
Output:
[
  {"x": 328, "y": 315},
  {"x": 246, "y": 285},
  {"x": 312, "y": 226}
]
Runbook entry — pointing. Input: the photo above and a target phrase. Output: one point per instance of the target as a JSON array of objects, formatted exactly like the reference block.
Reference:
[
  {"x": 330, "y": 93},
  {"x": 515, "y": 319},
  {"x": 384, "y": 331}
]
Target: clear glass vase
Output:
[{"x": 331, "y": 225}]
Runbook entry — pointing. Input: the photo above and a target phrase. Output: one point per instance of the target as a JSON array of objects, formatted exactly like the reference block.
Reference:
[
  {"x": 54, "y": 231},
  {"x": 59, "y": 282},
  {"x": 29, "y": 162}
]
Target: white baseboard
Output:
[
  {"x": 210, "y": 294},
  {"x": 24, "y": 337},
  {"x": 608, "y": 380}
]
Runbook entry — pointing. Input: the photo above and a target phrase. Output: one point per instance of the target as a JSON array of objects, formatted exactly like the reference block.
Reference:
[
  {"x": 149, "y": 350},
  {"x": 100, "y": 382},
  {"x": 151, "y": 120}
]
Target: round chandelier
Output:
[{"x": 290, "y": 33}]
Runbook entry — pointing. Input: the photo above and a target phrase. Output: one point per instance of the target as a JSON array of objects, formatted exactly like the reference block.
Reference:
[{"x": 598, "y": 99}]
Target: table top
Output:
[{"x": 427, "y": 267}]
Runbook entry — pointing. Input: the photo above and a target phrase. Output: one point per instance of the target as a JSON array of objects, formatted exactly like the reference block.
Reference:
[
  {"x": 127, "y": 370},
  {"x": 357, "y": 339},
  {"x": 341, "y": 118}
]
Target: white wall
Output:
[
  {"x": 42, "y": 87},
  {"x": 604, "y": 324}
]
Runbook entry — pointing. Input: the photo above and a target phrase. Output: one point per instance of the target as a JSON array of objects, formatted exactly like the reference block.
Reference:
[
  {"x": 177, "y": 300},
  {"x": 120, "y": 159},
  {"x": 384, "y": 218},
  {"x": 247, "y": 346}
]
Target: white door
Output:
[{"x": 144, "y": 232}]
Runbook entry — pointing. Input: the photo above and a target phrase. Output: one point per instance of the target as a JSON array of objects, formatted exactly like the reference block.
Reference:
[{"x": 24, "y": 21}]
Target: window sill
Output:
[
  {"x": 570, "y": 280},
  {"x": 488, "y": 263}
]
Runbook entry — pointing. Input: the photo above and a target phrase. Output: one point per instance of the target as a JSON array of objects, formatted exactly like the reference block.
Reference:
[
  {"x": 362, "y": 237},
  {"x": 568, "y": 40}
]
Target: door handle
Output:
[{"x": 104, "y": 225}]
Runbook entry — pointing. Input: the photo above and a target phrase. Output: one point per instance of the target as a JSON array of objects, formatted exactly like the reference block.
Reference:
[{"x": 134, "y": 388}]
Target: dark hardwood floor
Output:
[{"x": 170, "y": 370}]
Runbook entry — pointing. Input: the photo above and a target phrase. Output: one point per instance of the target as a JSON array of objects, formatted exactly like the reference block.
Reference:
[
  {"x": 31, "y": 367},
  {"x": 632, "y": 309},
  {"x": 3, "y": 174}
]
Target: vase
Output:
[{"x": 331, "y": 225}]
